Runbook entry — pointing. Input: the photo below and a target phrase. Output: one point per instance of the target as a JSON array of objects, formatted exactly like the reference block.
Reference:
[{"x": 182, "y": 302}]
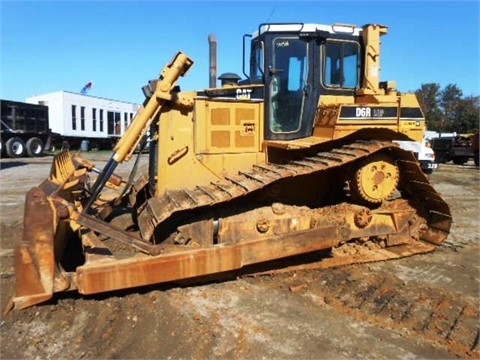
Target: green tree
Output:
[
  {"x": 451, "y": 103},
  {"x": 446, "y": 110},
  {"x": 468, "y": 115},
  {"x": 428, "y": 96}
]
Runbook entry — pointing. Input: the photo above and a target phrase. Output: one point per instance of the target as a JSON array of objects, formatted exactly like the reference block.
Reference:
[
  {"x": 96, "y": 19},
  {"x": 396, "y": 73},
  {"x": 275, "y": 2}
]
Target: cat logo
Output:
[{"x": 243, "y": 94}]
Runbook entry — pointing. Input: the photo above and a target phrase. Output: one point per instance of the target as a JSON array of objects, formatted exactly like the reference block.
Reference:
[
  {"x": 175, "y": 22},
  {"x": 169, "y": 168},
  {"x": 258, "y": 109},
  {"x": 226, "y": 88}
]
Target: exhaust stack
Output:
[{"x": 213, "y": 60}]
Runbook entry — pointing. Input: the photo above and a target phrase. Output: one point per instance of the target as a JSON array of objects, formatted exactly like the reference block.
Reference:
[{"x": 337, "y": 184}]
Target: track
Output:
[{"x": 414, "y": 186}]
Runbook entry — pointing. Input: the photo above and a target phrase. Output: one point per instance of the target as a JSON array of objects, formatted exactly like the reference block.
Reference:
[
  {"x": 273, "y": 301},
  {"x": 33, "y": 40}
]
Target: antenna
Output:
[{"x": 270, "y": 16}]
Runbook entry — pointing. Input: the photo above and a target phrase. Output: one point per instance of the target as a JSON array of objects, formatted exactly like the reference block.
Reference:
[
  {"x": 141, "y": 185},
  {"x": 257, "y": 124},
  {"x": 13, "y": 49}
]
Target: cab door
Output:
[{"x": 287, "y": 88}]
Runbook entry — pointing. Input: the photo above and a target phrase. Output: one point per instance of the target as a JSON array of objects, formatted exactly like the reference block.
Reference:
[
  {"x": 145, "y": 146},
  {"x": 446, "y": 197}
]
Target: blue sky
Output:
[{"x": 120, "y": 45}]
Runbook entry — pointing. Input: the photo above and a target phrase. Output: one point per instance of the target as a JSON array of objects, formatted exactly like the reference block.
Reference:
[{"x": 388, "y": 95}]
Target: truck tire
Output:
[
  {"x": 15, "y": 147},
  {"x": 459, "y": 160},
  {"x": 476, "y": 158},
  {"x": 35, "y": 147}
]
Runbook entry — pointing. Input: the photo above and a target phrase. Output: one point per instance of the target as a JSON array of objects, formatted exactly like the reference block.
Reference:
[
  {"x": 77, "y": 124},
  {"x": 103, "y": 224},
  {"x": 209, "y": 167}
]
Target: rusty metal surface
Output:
[
  {"x": 34, "y": 254},
  {"x": 37, "y": 274},
  {"x": 92, "y": 223},
  {"x": 190, "y": 263},
  {"x": 320, "y": 231}
]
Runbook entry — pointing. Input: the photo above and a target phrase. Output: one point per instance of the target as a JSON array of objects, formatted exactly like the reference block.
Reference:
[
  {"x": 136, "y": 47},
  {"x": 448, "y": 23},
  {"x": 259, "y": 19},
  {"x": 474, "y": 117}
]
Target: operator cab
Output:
[{"x": 298, "y": 63}]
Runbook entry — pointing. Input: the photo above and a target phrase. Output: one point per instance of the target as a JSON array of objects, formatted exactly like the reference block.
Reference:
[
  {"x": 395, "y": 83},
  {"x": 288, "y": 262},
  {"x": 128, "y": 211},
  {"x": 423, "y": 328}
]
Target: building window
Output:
[
  {"x": 82, "y": 118},
  {"x": 74, "y": 117},
  {"x": 94, "y": 119},
  {"x": 101, "y": 120},
  {"x": 125, "y": 120},
  {"x": 113, "y": 122},
  {"x": 117, "y": 123},
  {"x": 131, "y": 117}
]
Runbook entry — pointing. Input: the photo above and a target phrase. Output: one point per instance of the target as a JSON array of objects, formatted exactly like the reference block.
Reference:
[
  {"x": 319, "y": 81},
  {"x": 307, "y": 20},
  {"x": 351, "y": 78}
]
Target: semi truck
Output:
[{"x": 24, "y": 129}]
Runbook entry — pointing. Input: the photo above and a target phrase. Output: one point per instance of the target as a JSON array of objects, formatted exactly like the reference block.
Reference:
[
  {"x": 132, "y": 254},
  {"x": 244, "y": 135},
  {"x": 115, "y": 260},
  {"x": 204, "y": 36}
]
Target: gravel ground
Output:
[{"x": 421, "y": 307}]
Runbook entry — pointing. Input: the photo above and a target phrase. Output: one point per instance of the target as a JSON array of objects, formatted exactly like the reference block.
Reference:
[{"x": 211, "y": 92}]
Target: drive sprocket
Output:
[{"x": 375, "y": 180}]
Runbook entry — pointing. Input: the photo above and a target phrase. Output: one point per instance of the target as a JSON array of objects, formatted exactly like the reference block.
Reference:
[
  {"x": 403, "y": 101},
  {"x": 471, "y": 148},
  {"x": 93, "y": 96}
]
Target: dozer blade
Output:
[
  {"x": 34, "y": 254},
  {"x": 37, "y": 275}
]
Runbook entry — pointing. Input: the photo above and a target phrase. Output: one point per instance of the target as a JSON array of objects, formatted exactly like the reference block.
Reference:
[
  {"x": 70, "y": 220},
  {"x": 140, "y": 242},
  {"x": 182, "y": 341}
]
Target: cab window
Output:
[
  {"x": 341, "y": 64},
  {"x": 257, "y": 61},
  {"x": 289, "y": 71}
]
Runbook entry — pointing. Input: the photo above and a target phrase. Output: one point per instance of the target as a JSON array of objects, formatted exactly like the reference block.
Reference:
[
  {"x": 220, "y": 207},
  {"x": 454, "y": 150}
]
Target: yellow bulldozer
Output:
[{"x": 301, "y": 158}]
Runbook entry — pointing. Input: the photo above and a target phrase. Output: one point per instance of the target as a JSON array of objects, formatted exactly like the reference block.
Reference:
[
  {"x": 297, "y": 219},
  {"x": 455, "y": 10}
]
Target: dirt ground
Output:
[{"x": 422, "y": 307}]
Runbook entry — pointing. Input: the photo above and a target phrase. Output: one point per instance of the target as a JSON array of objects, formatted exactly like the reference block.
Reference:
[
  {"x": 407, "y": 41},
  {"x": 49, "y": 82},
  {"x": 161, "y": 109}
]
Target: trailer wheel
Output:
[
  {"x": 442, "y": 156},
  {"x": 15, "y": 147},
  {"x": 460, "y": 160},
  {"x": 34, "y": 147}
]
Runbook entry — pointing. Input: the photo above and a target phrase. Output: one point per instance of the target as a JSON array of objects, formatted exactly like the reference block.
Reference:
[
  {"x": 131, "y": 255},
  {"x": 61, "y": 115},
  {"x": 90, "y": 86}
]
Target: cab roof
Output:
[{"x": 307, "y": 28}]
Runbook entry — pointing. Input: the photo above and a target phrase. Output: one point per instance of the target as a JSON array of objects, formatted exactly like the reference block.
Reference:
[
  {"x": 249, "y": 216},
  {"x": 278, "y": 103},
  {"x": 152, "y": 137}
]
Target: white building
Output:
[{"x": 74, "y": 115}]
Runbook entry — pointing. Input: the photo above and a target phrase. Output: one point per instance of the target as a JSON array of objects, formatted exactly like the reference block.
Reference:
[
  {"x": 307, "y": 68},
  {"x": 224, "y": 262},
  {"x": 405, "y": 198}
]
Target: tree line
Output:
[{"x": 447, "y": 110}]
